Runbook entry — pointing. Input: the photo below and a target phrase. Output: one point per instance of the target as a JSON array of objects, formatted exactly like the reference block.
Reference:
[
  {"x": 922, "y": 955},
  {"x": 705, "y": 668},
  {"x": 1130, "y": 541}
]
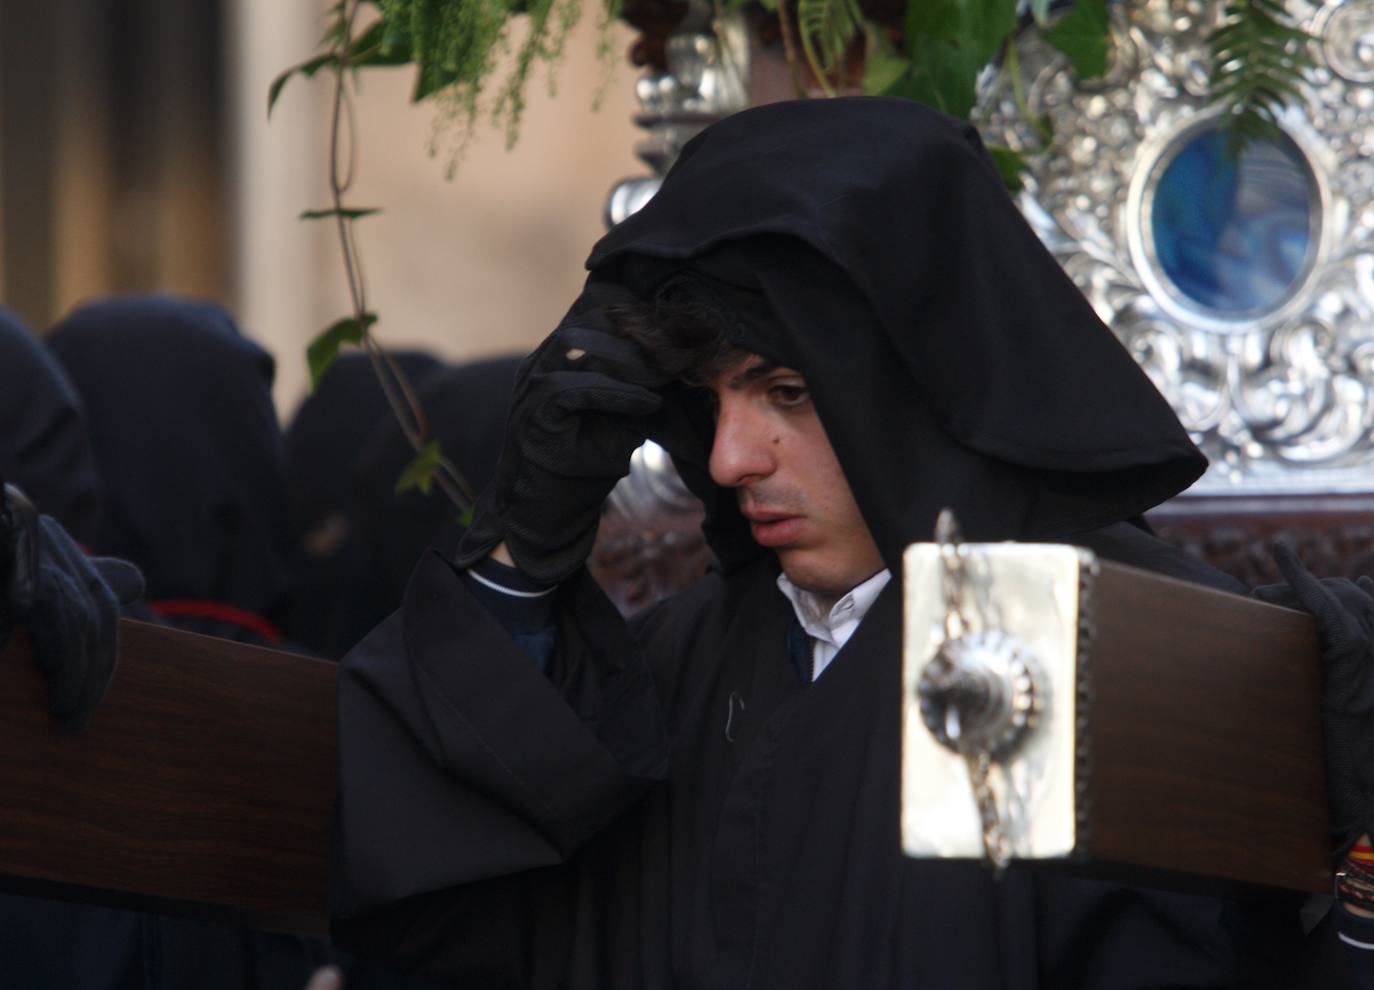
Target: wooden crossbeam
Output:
[
  {"x": 205, "y": 780},
  {"x": 1205, "y": 735}
]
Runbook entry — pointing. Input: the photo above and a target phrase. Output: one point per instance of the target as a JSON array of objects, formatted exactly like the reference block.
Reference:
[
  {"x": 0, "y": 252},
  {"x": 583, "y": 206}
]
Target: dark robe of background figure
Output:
[
  {"x": 44, "y": 448},
  {"x": 339, "y": 595},
  {"x": 180, "y": 418}
]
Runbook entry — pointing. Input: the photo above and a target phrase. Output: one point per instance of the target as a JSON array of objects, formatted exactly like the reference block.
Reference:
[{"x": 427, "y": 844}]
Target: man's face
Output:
[{"x": 771, "y": 448}]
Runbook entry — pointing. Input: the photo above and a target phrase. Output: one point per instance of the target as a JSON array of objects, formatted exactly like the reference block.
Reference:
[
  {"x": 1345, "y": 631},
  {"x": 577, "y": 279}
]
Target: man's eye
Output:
[{"x": 788, "y": 396}]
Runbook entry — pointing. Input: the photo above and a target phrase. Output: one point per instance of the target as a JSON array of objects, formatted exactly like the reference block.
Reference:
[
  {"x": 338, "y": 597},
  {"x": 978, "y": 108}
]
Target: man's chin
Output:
[{"x": 808, "y": 575}]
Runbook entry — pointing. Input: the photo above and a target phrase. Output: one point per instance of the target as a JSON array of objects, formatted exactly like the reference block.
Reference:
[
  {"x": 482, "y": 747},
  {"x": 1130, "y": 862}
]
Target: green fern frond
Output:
[
  {"x": 544, "y": 42},
  {"x": 455, "y": 45},
  {"x": 1258, "y": 63},
  {"x": 827, "y": 27}
]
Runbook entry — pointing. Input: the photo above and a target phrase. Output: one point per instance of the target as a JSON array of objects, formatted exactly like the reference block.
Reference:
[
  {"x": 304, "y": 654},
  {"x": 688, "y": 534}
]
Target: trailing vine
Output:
[{"x": 345, "y": 52}]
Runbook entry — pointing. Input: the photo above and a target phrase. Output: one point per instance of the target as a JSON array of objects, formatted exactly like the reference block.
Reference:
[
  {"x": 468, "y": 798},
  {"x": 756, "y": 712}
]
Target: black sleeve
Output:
[
  {"x": 524, "y": 608},
  {"x": 468, "y": 779},
  {"x": 1356, "y": 935}
]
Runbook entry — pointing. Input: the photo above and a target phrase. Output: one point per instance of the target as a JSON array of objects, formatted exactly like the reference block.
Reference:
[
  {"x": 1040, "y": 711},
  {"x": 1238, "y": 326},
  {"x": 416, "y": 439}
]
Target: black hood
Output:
[
  {"x": 466, "y": 407},
  {"x": 332, "y": 425},
  {"x": 951, "y": 360},
  {"x": 339, "y": 594},
  {"x": 180, "y": 416},
  {"x": 43, "y": 444}
]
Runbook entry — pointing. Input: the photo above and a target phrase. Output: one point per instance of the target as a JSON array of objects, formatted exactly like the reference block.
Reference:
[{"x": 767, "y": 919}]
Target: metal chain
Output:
[
  {"x": 996, "y": 847},
  {"x": 955, "y": 577}
]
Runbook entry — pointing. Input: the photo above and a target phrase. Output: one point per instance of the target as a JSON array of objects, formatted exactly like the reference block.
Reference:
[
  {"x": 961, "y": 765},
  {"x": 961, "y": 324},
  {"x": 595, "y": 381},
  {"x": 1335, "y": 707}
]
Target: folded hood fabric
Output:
[{"x": 870, "y": 244}]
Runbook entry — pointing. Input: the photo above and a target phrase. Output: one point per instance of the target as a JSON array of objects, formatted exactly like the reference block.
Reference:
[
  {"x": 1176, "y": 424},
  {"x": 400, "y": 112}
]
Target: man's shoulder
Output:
[
  {"x": 713, "y": 601},
  {"x": 1130, "y": 544}
]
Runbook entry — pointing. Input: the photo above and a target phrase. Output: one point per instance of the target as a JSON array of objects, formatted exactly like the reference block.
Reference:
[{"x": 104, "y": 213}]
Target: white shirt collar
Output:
[{"x": 831, "y": 629}]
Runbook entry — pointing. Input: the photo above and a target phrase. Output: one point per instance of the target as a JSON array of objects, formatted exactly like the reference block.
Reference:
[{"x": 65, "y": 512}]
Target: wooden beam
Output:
[
  {"x": 204, "y": 781},
  {"x": 1205, "y": 735}
]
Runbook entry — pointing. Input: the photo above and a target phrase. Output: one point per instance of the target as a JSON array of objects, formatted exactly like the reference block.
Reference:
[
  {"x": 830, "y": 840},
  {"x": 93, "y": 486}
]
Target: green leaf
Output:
[
  {"x": 419, "y": 473},
  {"x": 826, "y": 28},
  {"x": 325, "y": 347},
  {"x": 979, "y": 27},
  {"x": 883, "y": 67},
  {"x": 941, "y": 74},
  {"x": 948, "y": 42},
  {"x": 1084, "y": 36},
  {"x": 384, "y": 43},
  {"x": 346, "y": 213},
  {"x": 308, "y": 68},
  {"x": 1011, "y": 166},
  {"x": 1258, "y": 63}
]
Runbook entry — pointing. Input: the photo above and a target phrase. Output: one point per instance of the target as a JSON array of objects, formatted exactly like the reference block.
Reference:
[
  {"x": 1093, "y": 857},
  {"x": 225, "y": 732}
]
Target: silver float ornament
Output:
[
  {"x": 978, "y": 694},
  {"x": 707, "y": 79},
  {"x": 995, "y": 644}
]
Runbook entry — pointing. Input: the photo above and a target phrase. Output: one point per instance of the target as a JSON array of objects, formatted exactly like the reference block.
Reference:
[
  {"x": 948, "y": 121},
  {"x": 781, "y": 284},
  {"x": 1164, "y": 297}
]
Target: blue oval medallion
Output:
[{"x": 1234, "y": 234}]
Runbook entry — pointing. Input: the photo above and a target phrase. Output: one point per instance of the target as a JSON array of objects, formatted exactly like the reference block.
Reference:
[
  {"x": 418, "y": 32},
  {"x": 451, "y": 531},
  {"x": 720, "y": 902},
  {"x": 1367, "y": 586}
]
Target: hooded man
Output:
[
  {"x": 180, "y": 416},
  {"x": 339, "y": 596},
  {"x": 837, "y": 323}
]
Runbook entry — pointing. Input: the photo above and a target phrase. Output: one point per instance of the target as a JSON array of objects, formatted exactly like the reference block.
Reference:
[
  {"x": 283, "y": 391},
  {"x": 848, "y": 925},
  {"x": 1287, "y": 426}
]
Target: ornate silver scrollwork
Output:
[
  {"x": 653, "y": 488},
  {"x": 707, "y": 78},
  {"x": 1280, "y": 394}
]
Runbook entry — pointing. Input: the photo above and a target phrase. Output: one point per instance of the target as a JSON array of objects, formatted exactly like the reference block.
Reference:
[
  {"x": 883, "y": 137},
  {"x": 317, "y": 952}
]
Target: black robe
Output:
[{"x": 676, "y": 808}]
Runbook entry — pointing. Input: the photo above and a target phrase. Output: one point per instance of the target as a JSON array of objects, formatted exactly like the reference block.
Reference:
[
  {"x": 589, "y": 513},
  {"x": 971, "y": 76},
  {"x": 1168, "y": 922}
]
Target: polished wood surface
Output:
[
  {"x": 1205, "y": 745},
  {"x": 205, "y": 781}
]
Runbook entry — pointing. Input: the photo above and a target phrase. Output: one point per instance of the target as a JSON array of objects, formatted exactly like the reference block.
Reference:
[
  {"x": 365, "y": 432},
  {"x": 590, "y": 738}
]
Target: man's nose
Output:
[{"x": 741, "y": 452}]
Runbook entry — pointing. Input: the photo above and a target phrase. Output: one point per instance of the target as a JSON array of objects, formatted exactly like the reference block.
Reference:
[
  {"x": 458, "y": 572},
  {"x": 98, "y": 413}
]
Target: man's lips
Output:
[{"x": 773, "y": 529}]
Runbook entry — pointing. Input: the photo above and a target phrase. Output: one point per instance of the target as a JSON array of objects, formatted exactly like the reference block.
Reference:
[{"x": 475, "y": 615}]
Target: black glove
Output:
[
  {"x": 71, "y": 611},
  {"x": 1344, "y": 612},
  {"x": 580, "y": 407}
]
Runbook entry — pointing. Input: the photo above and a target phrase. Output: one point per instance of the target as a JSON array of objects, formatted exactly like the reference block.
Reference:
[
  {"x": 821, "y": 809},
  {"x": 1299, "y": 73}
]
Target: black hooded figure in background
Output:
[
  {"x": 179, "y": 412},
  {"x": 465, "y": 405},
  {"x": 43, "y": 444},
  {"x": 179, "y": 409},
  {"x": 836, "y": 321},
  {"x": 339, "y": 596},
  {"x": 44, "y": 450}
]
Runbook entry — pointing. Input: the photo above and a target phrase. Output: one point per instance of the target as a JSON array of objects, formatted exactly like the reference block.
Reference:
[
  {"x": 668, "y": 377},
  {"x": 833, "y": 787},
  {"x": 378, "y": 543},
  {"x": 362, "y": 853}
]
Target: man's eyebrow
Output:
[{"x": 753, "y": 373}]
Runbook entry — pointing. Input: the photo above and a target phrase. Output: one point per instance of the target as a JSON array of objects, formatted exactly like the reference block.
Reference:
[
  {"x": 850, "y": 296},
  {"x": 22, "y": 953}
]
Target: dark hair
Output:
[{"x": 686, "y": 329}]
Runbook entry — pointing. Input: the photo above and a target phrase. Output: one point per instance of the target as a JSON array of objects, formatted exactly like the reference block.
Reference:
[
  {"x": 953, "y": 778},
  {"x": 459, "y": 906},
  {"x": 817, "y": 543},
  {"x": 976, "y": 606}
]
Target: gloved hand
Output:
[
  {"x": 579, "y": 409},
  {"x": 1344, "y": 612},
  {"x": 71, "y": 610}
]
